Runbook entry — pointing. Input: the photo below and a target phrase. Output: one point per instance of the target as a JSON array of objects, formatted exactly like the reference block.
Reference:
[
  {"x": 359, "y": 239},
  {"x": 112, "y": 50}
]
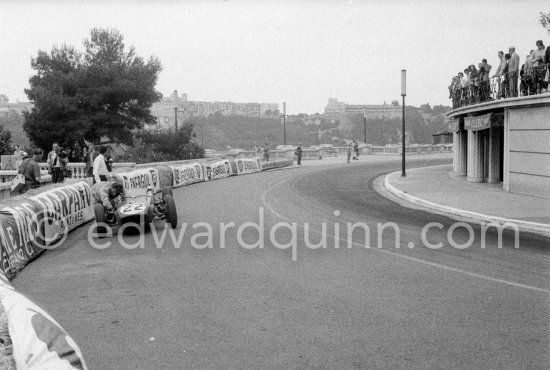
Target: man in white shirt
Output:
[
  {"x": 498, "y": 73},
  {"x": 100, "y": 168}
]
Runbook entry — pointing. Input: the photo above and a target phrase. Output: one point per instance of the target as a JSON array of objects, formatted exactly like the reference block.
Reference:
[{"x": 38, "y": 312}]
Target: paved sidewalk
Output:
[{"x": 439, "y": 189}]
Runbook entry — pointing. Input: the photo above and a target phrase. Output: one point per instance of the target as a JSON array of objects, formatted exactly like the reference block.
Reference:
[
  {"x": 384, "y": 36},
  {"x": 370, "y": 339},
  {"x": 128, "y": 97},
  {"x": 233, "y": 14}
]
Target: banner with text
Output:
[
  {"x": 220, "y": 169},
  {"x": 185, "y": 174},
  {"x": 41, "y": 221},
  {"x": 248, "y": 165},
  {"x": 136, "y": 182}
]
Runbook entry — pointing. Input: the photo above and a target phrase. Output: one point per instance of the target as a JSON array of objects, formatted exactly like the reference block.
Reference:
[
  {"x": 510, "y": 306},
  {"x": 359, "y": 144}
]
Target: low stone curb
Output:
[{"x": 532, "y": 227}]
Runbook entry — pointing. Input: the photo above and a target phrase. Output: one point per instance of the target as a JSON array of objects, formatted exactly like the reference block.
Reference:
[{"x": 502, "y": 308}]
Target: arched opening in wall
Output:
[{"x": 485, "y": 147}]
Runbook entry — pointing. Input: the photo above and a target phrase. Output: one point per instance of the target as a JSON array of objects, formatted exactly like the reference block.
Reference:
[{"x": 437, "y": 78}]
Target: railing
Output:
[
  {"x": 320, "y": 153},
  {"x": 529, "y": 81}
]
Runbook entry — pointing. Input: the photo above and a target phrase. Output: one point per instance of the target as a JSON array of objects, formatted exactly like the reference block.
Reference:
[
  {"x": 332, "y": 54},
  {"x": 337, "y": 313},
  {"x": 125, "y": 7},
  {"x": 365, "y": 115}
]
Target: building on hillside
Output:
[
  {"x": 336, "y": 108},
  {"x": 19, "y": 107},
  {"x": 166, "y": 110}
]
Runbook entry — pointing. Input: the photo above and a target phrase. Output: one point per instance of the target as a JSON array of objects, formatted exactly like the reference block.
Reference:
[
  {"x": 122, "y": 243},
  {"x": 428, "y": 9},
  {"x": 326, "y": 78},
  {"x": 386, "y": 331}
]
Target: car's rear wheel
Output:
[
  {"x": 171, "y": 212},
  {"x": 150, "y": 216},
  {"x": 99, "y": 212}
]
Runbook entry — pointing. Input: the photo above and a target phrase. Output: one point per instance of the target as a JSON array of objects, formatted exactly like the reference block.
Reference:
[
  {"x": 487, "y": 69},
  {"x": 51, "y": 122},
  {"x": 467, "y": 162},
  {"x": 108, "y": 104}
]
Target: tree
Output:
[
  {"x": 175, "y": 145},
  {"x": 105, "y": 91},
  {"x": 426, "y": 108},
  {"x": 13, "y": 122},
  {"x": 5, "y": 141},
  {"x": 545, "y": 21}
]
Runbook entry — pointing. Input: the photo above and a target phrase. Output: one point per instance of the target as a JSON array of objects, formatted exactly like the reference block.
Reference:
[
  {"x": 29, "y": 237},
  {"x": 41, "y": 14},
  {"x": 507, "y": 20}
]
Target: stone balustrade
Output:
[{"x": 368, "y": 150}]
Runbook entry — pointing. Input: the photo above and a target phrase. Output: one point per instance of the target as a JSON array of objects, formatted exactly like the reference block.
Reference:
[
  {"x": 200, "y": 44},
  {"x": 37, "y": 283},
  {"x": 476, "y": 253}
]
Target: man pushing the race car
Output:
[
  {"x": 112, "y": 206},
  {"x": 108, "y": 193}
]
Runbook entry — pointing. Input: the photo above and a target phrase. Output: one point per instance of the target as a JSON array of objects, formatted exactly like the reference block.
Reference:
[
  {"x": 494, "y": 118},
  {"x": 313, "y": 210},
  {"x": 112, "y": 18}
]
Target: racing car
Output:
[{"x": 140, "y": 208}]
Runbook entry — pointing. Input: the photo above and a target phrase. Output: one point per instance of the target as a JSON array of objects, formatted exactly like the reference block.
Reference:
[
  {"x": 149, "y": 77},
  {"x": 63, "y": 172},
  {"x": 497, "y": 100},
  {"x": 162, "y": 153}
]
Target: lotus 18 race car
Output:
[{"x": 142, "y": 208}]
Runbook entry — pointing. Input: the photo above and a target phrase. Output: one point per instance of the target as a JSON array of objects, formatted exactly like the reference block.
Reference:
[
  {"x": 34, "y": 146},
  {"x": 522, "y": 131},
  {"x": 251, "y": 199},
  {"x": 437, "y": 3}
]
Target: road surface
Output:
[{"x": 231, "y": 304}]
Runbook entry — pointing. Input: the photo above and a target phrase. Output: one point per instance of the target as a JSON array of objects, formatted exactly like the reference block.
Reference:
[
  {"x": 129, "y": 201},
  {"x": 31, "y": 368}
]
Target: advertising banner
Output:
[
  {"x": 248, "y": 165},
  {"x": 185, "y": 174},
  {"x": 41, "y": 221},
  {"x": 136, "y": 182},
  {"x": 483, "y": 122},
  {"x": 221, "y": 169}
]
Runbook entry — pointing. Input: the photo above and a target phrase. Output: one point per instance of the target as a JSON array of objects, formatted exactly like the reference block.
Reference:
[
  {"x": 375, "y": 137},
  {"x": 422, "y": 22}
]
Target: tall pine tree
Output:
[{"x": 105, "y": 91}]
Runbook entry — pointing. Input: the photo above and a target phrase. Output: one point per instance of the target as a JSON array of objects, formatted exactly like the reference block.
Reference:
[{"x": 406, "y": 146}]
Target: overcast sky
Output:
[{"x": 298, "y": 52}]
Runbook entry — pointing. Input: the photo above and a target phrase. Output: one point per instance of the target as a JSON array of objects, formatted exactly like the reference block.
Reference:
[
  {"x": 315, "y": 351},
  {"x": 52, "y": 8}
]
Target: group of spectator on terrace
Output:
[{"x": 476, "y": 85}]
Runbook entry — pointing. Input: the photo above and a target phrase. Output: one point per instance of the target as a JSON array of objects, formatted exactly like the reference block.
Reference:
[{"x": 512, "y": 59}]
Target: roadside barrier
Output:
[
  {"x": 278, "y": 163},
  {"x": 40, "y": 222},
  {"x": 186, "y": 174},
  {"x": 135, "y": 181}
]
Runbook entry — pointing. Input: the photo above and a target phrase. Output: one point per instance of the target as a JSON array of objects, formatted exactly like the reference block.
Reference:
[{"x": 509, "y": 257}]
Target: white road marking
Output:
[{"x": 399, "y": 255}]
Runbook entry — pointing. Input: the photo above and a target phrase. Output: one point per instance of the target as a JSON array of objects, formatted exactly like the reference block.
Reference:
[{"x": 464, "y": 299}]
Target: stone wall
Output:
[{"x": 528, "y": 131}]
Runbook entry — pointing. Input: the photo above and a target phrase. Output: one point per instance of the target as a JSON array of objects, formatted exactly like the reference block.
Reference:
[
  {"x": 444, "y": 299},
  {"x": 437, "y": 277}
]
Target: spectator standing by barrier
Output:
[
  {"x": 30, "y": 169},
  {"x": 91, "y": 155},
  {"x": 100, "y": 171},
  {"x": 506, "y": 76},
  {"x": 356, "y": 150},
  {"x": 484, "y": 70},
  {"x": 513, "y": 71},
  {"x": 76, "y": 153},
  {"x": 299, "y": 154},
  {"x": 547, "y": 62},
  {"x": 57, "y": 160},
  {"x": 109, "y": 160},
  {"x": 349, "y": 151},
  {"x": 17, "y": 155},
  {"x": 266, "y": 152},
  {"x": 539, "y": 71},
  {"x": 498, "y": 73},
  {"x": 258, "y": 151}
]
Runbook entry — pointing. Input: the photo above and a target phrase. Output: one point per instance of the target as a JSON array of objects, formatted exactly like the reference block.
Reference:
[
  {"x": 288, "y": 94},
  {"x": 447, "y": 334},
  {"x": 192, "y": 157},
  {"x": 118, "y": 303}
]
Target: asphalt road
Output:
[{"x": 229, "y": 305}]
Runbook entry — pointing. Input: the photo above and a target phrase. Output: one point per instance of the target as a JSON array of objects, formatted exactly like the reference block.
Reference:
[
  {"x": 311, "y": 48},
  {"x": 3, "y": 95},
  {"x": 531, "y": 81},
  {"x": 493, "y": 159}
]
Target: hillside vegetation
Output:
[{"x": 218, "y": 131}]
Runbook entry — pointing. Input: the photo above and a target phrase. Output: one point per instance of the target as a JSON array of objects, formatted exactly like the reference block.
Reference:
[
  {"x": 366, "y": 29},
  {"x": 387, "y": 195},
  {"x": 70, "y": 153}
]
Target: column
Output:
[
  {"x": 493, "y": 175},
  {"x": 486, "y": 138},
  {"x": 475, "y": 157},
  {"x": 460, "y": 152}
]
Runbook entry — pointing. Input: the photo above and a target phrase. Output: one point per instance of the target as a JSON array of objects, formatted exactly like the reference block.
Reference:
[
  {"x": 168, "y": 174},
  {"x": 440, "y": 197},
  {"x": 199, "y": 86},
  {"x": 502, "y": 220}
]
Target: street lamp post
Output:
[
  {"x": 284, "y": 123},
  {"x": 403, "y": 94},
  {"x": 365, "y": 123}
]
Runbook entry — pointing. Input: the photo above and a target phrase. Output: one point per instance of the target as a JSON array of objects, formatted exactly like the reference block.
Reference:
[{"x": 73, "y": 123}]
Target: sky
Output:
[{"x": 298, "y": 52}]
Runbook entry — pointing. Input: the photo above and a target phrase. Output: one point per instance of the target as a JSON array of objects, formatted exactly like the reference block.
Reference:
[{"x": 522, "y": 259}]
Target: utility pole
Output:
[
  {"x": 284, "y": 123},
  {"x": 403, "y": 94},
  {"x": 176, "y": 117},
  {"x": 365, "y": 122}
]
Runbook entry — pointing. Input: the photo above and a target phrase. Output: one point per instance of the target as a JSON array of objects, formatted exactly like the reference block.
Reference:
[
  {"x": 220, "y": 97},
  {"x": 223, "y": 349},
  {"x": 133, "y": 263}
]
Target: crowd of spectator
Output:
[
  {"x": 98, "y": 162},
  {"x": 475, "y": 85}
]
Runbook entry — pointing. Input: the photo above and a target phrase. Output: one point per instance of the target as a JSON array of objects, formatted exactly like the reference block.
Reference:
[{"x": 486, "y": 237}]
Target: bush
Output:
[
  {"x": 139, "y": 152},
  {"x": 191, "y": 151}
]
